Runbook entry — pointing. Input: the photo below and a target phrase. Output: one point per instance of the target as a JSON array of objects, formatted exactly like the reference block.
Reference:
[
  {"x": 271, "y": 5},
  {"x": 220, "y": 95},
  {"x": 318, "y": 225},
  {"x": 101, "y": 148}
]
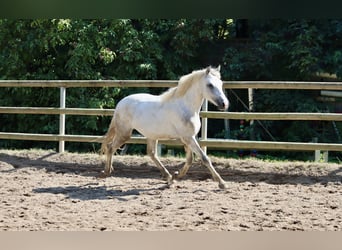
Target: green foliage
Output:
[
  {"x": 90, "y": 49},
  {"x": 162, "y": 49},
  {"x": 286, "y": 50}
]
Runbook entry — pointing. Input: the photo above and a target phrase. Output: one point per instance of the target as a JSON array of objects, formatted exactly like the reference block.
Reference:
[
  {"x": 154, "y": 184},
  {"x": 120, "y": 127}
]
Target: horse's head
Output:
[{"x": 212, "y": 88}]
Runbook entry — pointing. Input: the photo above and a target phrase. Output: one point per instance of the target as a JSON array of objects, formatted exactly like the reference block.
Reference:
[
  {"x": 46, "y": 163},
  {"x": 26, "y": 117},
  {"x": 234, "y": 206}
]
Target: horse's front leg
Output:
[
  {"x": 152, "y": 152},
  {"x": 194, "y": 146},
  {"x": 185, "y": 168}
]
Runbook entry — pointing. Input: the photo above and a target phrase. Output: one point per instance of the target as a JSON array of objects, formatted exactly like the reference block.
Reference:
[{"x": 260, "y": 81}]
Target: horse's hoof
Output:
[
  {"x": 103, "y": 175},
  {"x": 175, "y": 175},
  {"x": 223, "y": 185},
  {"x": 169, "y": 180}
]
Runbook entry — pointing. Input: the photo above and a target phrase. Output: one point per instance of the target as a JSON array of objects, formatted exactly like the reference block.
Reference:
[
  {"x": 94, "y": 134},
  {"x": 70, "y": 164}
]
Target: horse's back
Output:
[
  {"x": 137, "y": 101},
  {"x": 135, "y": 107}
]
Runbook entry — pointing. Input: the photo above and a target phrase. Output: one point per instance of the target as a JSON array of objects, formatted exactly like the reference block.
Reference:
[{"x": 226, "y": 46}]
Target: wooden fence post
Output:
[
  {"x": 62, "y": 118},
  {"x": 325, "y": 156},
  {"x": 251, "y": 109},
  {"x": 317, "y": 154}
]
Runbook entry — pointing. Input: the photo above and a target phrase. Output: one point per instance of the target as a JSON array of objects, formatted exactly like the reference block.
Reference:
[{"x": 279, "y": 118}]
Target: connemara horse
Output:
[{"x": 171, "y": 115}]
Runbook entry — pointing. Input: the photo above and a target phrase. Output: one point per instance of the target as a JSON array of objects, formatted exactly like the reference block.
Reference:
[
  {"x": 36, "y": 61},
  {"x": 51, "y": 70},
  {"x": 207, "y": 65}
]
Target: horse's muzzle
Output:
[{"x": 222, "y": 104}]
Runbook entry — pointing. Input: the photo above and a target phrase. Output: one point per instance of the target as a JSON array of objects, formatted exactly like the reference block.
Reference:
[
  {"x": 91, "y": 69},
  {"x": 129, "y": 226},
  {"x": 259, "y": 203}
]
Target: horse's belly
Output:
[
  {"x": 158, "y": 134},
  {"x": 168, "y": 127},
  {"x": 153, "y": 126}
]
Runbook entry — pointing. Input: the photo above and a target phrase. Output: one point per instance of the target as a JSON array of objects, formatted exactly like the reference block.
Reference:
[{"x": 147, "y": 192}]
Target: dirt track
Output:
[{"x": 42, "y": 190}]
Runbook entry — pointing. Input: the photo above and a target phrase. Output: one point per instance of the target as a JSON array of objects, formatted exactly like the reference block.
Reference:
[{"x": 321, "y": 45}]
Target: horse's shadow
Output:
[
  {"x": 91, "y": 192},
  {"x": 146, "y": 170},
  {"x": 149, "y": 171}
]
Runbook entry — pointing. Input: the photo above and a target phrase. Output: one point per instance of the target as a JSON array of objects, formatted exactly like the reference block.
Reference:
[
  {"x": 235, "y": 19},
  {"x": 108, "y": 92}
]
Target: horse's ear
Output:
[
  {"x": 207, "y": 70},
  {"x": 218, "y": 68}
]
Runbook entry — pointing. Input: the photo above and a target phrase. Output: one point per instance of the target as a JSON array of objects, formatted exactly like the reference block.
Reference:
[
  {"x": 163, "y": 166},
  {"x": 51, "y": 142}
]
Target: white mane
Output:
[{"x": 186, "y": 81}]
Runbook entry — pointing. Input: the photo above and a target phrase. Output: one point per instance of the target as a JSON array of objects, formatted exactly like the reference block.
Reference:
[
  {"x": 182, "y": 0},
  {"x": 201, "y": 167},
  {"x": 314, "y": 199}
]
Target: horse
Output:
[{"x": 172, "y": 115}]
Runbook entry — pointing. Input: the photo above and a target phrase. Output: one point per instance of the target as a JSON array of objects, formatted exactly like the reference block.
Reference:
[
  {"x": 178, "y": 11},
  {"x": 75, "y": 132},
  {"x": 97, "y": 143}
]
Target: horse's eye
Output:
[{"x": 210, "y": 85}]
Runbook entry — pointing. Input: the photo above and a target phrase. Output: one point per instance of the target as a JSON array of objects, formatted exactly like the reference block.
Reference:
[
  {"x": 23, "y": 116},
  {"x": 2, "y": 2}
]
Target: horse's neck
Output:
[{"x": 193, "y": 99}]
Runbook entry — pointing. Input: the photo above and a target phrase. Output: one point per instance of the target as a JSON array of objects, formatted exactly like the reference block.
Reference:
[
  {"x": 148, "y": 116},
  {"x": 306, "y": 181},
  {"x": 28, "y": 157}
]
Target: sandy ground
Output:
[{"x": 43, "y": 190}]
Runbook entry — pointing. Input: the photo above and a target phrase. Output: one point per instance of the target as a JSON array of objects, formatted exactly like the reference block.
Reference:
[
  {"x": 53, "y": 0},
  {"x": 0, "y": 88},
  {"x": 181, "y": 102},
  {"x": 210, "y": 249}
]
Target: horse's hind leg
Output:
[
  {"x": 111, "y": 148},
  {"x": 152, "y": 152},
  {"x": 109, "y": 160}
]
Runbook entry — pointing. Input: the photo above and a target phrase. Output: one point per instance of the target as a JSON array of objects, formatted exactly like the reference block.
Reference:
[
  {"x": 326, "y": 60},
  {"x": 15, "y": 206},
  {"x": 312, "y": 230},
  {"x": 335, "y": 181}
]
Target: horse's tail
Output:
[{"x": 108, "y": 138}]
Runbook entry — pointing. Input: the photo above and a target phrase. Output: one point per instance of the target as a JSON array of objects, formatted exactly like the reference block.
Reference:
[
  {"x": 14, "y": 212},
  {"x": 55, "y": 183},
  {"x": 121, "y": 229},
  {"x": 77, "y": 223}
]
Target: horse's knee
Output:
[
  {"x": 151, "y": 153},
  {"x": 205, "y": 160}
]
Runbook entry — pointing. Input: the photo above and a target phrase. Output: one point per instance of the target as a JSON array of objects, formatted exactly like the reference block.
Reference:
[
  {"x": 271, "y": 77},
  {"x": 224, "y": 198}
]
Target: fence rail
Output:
[
  {"x": 211, "y": 143},
  {"x": 204, "y": 114},
  {"x": 169, "y": 83}
]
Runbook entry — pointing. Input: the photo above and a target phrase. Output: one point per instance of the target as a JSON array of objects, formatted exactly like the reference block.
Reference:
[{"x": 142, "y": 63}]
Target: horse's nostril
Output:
[
  {"x": 222, "y": 104},
  {"x": 225, "y": 104}
]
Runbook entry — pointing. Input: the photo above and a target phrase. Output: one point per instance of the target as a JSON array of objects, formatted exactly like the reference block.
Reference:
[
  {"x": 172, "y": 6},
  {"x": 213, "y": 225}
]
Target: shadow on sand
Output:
[
  {"x": 148, "y": 170},
  {"x": 91, "y": 192}
]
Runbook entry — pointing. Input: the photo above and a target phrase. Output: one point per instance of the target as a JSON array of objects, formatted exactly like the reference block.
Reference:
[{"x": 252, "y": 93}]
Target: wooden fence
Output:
[{"x": 205, "y": 114}]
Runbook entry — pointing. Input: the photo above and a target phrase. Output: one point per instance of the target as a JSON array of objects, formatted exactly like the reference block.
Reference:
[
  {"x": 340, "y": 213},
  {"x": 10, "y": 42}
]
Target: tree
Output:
[
  {"x": 91, "y": 49},
  {"x": 163, "y": 49}
]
